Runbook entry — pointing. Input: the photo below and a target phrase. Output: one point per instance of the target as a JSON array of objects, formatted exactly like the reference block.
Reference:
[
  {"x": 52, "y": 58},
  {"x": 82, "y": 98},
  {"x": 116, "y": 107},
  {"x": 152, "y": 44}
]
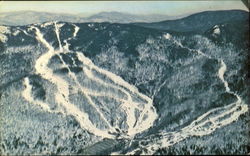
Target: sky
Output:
[{"x": 171, "y": 8}]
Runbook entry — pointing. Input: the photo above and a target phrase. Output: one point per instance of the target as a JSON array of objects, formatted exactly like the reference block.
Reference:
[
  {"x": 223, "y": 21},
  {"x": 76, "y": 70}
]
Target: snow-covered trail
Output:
[
  {"x": 62, "y": 94},
  {"x": 135, "y": 124},
  {"x": 203, "y": 125},
  {"x": 129, "y": 106}
]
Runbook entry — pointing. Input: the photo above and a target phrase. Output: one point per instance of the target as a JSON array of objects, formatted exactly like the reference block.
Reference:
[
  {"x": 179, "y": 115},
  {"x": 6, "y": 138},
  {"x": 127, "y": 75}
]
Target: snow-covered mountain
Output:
[{"x": 110, "y": 88}]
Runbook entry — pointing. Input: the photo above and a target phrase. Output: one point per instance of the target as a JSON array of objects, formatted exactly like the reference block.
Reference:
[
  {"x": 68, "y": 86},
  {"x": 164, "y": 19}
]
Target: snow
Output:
[
  {"x": 167, "y": 36},
  {"x": 91, "y": 25},
  {"x": 136, "y": 124},
  {"x": 4, "y": 30},
  {"x": 16, "y": 32},
  {"x": 216, "y": 30}
]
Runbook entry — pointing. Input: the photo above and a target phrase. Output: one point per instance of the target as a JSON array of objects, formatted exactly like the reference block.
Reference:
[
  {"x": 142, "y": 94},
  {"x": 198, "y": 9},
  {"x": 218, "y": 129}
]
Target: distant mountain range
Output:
[
  {"x": 199, "y": 21},
  {"x": 118, "y": 17},
  {"x": 30, "y": 17}
]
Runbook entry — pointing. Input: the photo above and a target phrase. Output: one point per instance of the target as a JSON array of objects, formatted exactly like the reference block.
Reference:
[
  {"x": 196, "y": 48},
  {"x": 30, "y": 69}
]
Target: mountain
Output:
[
  {"x": 113, "y": 88},
  {"x": 31, "y": 17},
  {"x": 199, "y": 21},
  {"x": 117, "y": 17}
]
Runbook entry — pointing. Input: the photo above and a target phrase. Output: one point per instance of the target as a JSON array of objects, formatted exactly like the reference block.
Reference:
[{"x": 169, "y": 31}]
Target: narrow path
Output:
[{"x": 203, "y": 125}]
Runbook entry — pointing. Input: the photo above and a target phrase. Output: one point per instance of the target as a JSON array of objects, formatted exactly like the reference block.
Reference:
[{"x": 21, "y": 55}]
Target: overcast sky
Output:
[{"x": 135, "y": 7}]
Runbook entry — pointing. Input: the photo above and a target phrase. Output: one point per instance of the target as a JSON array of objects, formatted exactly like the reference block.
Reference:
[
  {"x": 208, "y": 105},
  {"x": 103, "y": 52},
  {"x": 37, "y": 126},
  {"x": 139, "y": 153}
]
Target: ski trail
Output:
[
  {"x": 58, "y": 37},
  {"x": 25, "y": 32},
  {"x": 221, "y": 73},
  {"x": 76, "y": 29},
  {"x": 84, "y": 90},
  {"x": 203, "y": 125},
  {"x": 169, "y": 37},
  {"x": 71, "y": 74},
  {"x": 62, "y": 93},
  {"x": 127, "y": 104},
  {"x": 135, "y": 124}
]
